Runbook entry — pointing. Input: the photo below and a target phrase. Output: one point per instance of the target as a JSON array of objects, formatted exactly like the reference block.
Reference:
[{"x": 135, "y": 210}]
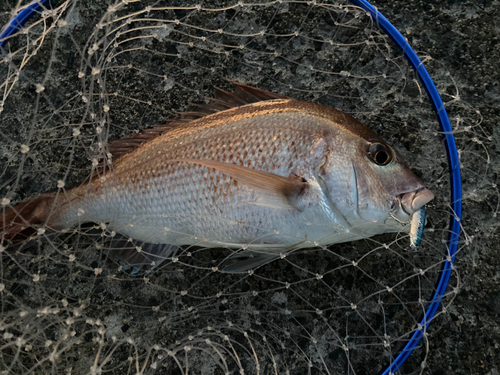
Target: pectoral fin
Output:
[{"x": 273, "y": 190}]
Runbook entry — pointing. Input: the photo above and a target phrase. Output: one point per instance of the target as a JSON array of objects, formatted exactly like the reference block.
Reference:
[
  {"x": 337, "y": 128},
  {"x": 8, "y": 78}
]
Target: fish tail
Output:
[{"x": 21, "y": 221}]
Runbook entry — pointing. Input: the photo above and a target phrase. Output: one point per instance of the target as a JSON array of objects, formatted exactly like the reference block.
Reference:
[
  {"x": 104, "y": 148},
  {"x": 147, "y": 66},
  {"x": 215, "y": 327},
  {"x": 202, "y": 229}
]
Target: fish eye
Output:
[{"x": 380, "y": 154}]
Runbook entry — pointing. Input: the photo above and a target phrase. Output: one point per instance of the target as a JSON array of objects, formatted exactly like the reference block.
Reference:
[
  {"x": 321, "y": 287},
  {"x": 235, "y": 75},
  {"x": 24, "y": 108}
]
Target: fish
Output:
[{"x": 252, "y": 171}]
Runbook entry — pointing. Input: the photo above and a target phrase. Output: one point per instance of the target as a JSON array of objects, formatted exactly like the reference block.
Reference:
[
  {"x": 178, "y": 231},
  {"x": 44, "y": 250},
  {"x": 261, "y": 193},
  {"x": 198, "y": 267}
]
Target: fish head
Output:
[
  {"x": 368, "y": 181},
  {"x": 401, "y": 190}
]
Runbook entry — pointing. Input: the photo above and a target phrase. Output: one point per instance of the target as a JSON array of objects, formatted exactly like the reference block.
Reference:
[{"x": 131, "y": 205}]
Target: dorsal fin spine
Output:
[{"x": 223, "y": 101}]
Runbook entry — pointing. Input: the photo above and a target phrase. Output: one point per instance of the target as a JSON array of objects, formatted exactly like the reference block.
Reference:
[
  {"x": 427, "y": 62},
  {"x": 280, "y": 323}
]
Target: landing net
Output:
[{"x": 81, "y": 74}]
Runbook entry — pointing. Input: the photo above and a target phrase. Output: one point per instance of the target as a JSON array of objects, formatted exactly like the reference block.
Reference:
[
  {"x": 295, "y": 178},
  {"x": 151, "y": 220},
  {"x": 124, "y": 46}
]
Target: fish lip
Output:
[{"x": 412, "y": 201}]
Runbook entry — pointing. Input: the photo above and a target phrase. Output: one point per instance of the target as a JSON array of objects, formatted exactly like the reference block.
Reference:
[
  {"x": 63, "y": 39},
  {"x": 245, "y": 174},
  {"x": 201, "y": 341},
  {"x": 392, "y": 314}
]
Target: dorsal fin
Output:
[{"x": 223, "y": 100}]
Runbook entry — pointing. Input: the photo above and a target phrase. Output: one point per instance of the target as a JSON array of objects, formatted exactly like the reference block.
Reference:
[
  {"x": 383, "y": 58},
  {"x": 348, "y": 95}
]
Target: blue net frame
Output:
[
  {"x": 449, "y": 141},
  {"x": 455, "y": 182},
  {"x": 20, "y": 20}
]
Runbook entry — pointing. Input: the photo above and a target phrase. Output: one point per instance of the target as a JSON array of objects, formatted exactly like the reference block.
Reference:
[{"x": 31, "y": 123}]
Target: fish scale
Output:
[{"x": 198, "y": 191}]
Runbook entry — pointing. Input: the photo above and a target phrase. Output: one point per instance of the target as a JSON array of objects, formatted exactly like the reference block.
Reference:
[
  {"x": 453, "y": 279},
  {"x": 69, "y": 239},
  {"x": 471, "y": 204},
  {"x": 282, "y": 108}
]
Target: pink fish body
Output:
[{"x": 268, "y": 176}]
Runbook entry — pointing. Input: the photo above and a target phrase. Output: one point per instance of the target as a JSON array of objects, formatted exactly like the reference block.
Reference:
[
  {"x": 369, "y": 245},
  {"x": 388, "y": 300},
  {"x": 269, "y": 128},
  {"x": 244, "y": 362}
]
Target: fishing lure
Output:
[{"x": 417, "y": 227}]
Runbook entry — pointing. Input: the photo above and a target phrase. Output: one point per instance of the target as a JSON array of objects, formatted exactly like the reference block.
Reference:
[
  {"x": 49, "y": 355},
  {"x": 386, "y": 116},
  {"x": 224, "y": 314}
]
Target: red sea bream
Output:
[{"x": 253, "y": 170}]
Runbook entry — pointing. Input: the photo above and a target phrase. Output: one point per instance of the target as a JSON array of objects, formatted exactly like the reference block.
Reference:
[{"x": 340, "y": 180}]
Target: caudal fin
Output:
[{"x": 21, "y": 221}]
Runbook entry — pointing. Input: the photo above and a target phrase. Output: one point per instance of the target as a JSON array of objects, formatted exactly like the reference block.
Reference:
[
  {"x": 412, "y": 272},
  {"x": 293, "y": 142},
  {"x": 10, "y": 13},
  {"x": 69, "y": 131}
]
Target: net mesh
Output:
[{"x": 81, "y": 74}]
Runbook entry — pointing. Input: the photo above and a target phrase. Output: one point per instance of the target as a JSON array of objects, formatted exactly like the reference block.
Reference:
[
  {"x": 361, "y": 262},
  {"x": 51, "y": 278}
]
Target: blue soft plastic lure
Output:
[{"x": 417, "y": 227}]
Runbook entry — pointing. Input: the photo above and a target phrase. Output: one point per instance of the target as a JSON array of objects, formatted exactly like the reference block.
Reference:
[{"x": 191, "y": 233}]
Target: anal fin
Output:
[
  {"x": 255, "y": 260},
  {"x": 137, "y": 255}
]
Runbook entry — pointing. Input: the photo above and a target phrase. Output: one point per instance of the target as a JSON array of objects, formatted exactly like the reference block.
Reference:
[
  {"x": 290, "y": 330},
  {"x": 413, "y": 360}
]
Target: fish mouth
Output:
[{"x": 414, "y": 200}]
